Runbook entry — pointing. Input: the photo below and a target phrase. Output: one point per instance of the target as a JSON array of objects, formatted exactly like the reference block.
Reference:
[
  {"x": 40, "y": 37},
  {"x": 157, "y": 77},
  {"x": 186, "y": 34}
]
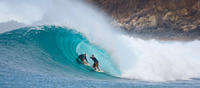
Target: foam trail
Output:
[{"x": 137, "y": 59}]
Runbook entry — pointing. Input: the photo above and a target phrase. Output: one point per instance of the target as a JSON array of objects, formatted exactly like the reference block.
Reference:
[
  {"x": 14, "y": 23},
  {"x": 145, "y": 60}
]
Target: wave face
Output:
[{"x": 52, "y": 50}]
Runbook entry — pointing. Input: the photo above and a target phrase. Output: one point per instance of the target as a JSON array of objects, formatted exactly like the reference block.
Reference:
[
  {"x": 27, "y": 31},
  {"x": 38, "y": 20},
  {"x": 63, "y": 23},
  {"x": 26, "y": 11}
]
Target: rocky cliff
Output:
[{"x": 174, "y": 19}]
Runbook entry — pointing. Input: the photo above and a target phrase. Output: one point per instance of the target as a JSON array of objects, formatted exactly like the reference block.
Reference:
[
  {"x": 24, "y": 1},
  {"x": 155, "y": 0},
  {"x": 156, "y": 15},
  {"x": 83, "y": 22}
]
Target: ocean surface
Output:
[
  {"x": 40, "y": 41},
  {"x": 46, "y": 57}
]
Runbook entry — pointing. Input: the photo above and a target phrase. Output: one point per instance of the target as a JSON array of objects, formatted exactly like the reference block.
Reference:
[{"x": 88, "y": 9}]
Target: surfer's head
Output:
[{"x": 92, "y": 55}]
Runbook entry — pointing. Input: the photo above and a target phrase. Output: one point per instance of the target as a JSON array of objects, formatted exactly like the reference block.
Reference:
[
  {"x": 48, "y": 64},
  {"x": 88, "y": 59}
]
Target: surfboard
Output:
[
  {"x": 86, "y": 64},
  {"x": 80, "y": 62},
  {"x": 99, "y": 71}
]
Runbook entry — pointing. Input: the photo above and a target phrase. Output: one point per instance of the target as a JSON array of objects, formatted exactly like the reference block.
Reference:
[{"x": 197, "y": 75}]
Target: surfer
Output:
[
  {"x": 96, "y": 63},
  {"x": 83, "y": 58}
]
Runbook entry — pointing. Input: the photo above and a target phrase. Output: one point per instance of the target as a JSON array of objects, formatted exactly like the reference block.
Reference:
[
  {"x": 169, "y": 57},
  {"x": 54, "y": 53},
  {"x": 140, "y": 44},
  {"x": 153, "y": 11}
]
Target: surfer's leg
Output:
[
  {"x": 82, "y": 59},
  {"x": 84, "y": 62},
  {"x": 97, "y": 65},
  {"x": 94, "y": 66}
]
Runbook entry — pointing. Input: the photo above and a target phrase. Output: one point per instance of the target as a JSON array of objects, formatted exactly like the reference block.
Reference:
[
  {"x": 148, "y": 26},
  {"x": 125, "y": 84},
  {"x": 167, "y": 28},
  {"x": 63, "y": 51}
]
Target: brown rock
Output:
[
  {"x": 187, "y": 28},
  {"x": 163, "y": 16}
]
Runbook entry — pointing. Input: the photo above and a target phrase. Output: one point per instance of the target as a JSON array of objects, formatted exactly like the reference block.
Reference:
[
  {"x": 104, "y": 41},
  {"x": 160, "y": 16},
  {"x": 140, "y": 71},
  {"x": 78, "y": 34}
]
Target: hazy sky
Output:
[{"x": 25, "y": 11}]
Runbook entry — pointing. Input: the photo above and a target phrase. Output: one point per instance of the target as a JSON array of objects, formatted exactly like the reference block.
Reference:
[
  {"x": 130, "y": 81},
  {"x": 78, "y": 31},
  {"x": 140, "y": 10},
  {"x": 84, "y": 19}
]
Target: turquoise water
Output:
[{"x": 46, "y": 56}]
